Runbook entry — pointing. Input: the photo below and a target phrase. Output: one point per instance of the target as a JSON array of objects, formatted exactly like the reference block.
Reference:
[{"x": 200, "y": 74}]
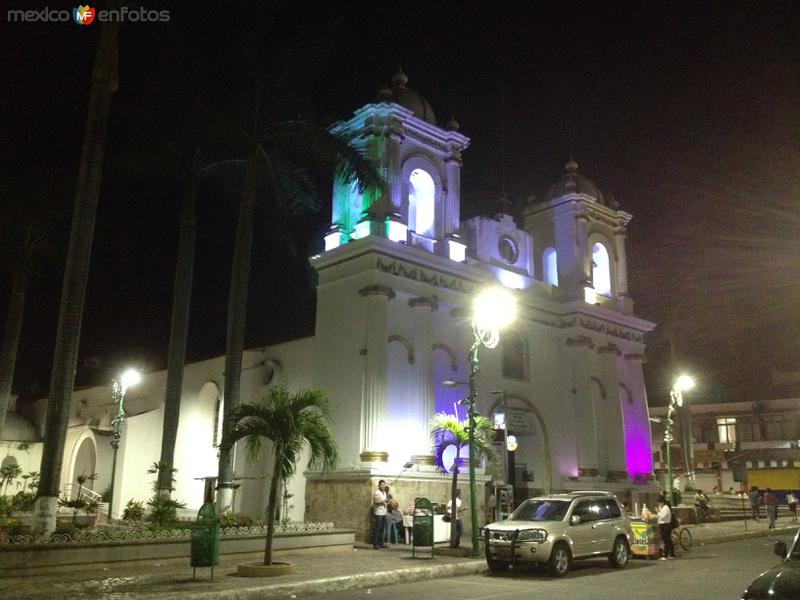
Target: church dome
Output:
[
  {"x": 18, "y": 429},
  {"x": 407, "y": 98},
  {"x": 572, "y": 182}
]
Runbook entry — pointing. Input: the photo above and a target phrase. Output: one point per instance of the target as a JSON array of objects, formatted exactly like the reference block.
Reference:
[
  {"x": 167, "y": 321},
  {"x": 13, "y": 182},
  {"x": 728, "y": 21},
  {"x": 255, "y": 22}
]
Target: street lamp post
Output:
[
  {"x": 118, "y": 389},
  {"x": 504, "y": 404},
  {"x": 683, "y": 383},
  {"x": 493, "y": 309}
]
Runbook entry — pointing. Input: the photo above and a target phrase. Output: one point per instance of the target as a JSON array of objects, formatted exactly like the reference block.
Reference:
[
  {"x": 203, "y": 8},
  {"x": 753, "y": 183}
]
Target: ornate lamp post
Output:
[
  {"x": 118, "y": 389},
  {"x": 682, "y": 384},
  {"x": 492, "y": 309}
]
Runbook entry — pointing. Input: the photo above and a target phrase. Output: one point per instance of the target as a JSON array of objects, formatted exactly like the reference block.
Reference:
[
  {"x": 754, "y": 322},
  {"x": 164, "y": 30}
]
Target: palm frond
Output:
[
  {"x": 289, "y": 421},
  {"x": 447, "y": 431},
  {"x": 313, "y": 144}
]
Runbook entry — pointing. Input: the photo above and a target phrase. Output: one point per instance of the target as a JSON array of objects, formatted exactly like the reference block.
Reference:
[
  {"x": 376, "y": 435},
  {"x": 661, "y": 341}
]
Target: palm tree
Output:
[
  {"x": 448, "y": 431},
  {"x": 25, "y": 239},
  {"x": 73, "y": 293},
  {"x": 289, "y": 421},
  {"x": 283, "y": 152},
  {"x": 179, "y": 329}
]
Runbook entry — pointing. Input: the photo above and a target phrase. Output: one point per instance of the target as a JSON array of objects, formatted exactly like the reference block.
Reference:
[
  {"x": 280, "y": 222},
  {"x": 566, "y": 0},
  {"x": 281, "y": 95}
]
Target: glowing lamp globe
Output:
[
  {"x": 684, "y": 383},
  {"x": 494, "y": 308},
  {"x": 130, "y": 377}
]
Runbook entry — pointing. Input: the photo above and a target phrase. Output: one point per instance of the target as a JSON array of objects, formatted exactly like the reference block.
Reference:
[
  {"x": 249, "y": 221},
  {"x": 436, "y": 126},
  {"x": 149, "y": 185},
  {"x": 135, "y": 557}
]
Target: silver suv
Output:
[{"x": 557, "y": 529}]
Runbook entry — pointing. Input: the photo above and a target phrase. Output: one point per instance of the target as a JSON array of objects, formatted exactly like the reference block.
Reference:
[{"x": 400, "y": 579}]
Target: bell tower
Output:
[
  {"x": 421, "y": 163},
  {"x": 580, "y": 241}
]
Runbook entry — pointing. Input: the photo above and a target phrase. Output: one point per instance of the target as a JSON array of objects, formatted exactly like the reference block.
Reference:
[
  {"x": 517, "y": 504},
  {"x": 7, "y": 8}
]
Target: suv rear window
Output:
[
  {"x": 541, "y": 510},
  {"x": 611, "y": 511}
]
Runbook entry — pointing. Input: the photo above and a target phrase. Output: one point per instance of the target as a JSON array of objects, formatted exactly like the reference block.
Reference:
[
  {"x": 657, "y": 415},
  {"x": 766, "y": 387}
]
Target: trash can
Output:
[
  {"x": 422, "y": 526},
  {"x": 205, "y": 539}
]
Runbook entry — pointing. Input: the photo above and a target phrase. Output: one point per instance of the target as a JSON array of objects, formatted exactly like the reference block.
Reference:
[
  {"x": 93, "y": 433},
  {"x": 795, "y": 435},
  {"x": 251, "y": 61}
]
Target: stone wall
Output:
[{"x": 346, "y": 499}]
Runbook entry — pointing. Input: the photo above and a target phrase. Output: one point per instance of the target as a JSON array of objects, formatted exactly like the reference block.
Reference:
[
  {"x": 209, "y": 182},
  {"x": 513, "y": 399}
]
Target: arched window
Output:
[
  {"x": 513, "y": 355},
  {"x": 421, "y": 201},
  {"x": 550, "y": 266},
  {"x": 601, "y": 270}
]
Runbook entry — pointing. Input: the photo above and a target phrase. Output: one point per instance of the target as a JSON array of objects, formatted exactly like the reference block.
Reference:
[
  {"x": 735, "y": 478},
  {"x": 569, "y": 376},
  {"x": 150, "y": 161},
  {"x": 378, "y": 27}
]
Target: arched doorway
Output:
[
  {"x": 84, "y": 460},
  {"x": 528, "y": 466}
]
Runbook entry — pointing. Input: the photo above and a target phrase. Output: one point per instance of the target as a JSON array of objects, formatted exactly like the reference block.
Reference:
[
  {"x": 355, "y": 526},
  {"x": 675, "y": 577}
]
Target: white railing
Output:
[{"x": 74, "y": 489}]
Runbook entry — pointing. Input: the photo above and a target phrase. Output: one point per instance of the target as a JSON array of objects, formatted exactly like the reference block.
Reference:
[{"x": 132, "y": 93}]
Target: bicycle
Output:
[{"x": 682, "y": 536}]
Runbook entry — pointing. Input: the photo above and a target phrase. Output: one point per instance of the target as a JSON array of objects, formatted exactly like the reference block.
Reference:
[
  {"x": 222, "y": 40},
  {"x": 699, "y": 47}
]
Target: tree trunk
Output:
[
  {"x": 271, "y": 505},
  {"x": 73, "y": 292},
  {"x": 237, "y": 320},
  {"x": 8, "y": 355},
  {"x": 453, "y": 508},
  {"x": 179, "y": 330}
]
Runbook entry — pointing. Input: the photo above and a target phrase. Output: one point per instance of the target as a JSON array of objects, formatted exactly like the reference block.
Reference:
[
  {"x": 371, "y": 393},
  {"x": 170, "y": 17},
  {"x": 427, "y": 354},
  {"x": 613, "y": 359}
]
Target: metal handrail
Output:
[{"x": 82, "y": 490}]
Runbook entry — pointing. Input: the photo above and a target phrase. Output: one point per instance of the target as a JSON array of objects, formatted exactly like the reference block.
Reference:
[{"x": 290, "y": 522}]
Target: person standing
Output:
[
  {"x": 456, "y": 514},
  {"x": 755, "y": 501},
  {"x": 665, "y": 528},
  {"x": 379, "y": 513},
  {"x": 791, "y": 500},
  {"x": 771, "y": 502}
]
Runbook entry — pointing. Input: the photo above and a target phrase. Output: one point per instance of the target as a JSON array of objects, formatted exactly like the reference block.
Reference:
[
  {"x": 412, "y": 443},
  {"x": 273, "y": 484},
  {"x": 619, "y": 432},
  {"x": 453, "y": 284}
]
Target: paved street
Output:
[
  {"x": 719, "y": 571},
  {"x": 718, "y": 567}
]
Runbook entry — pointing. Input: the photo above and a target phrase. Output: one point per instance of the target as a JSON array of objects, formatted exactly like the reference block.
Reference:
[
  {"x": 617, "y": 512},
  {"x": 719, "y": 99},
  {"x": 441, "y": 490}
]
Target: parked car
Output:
[
  {"x": 557, "y": 529},
  {"x": 781, "y": 582}
]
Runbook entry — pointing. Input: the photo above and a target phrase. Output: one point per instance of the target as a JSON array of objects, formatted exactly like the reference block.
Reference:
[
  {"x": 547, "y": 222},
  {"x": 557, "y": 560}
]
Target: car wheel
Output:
[
  {"x": 619, "y": 554},
  {"x": 560, "y": 560},
  {"x": 497, "y": 566}
]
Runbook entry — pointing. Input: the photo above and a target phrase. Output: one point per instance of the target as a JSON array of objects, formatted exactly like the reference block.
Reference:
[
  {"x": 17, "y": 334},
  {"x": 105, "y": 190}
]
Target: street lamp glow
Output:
[
  {"x": 129, "y": 378},
  {"x": 494, "y": 308},
  {"x": 511, "y": 443},
  {"x": 452, "y": 383},
  {"x": 684, "y": 383}
]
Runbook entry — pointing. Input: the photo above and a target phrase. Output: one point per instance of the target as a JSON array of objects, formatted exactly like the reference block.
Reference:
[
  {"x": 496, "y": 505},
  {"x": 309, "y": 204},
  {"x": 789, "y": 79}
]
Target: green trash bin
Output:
[
  {"x": 422, "y": 526},
  {"x": 205, "y": 539}
]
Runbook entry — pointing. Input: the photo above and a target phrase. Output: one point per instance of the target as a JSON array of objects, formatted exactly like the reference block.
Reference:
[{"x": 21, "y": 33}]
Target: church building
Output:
[{"x": 396, "y": 280}]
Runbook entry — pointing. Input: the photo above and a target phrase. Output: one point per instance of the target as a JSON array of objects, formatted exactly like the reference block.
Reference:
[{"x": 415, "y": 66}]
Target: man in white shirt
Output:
[
  {"x": 455, "y": 540},
  {"x": 379, "y": 512},
  {"x": 665, "y": 528}
]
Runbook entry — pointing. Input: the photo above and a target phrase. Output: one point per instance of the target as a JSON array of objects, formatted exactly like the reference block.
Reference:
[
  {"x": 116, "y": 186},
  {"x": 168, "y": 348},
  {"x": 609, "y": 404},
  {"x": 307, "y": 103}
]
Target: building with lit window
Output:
[
  {"x": 736, "y": 444},
  {"x": 396, "y": 279}
]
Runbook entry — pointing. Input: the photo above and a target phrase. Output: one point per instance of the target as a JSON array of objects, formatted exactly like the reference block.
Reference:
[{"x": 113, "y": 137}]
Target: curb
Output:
[
  {"x": 745, "y": 535},
  {"x": 346, "y": 582}
]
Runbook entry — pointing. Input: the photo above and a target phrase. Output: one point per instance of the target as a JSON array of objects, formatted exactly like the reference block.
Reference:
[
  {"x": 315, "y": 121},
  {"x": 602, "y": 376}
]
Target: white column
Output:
[
  {"x": 452, "y": 211},
  {"x": 622, "y": 264},
  {"x": 373, "y": 404},
  {"x": 422, "y": 308}
]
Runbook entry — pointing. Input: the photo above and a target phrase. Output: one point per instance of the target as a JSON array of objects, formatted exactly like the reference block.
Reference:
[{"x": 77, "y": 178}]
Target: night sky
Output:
[{"x": 688, "y": 113}]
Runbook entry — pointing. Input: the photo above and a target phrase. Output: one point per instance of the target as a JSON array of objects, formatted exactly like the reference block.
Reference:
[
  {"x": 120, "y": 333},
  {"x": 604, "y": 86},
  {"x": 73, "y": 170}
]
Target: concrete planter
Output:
[{"x": 20, "y": 556}]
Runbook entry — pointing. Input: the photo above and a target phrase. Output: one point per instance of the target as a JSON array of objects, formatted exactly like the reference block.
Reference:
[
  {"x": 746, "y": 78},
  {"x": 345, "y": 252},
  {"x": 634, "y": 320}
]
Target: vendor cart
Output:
[{"x": 646, "y": 540}]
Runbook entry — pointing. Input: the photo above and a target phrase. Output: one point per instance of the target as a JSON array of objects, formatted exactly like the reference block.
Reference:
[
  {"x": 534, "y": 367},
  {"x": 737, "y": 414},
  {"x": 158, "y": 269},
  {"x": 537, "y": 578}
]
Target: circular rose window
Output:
[{"x": 508, "y": 250}]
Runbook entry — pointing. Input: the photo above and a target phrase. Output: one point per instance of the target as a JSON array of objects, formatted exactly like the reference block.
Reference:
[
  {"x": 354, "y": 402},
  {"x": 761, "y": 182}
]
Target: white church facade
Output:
[{"x": 396, "y": 280}]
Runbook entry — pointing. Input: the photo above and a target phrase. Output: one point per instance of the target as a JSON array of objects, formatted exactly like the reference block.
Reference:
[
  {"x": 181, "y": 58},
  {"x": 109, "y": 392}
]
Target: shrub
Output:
[
  {"x": 134, "y": 511},
  {"x": 23, "y": 501},
  {"x": 6, "y": 506},
  {"x": 163, "y": 510},
  {"x": 232, "y": 519},
  {"x": 15, "y": 527}
]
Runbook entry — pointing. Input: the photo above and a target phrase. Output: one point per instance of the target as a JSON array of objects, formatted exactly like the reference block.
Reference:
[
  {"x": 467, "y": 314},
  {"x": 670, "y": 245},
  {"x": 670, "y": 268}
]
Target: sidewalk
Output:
[{"x": 315, "y": 572}]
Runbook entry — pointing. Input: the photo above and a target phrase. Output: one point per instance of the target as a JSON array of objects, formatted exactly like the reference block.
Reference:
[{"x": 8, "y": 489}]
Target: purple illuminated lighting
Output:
[{"x": 638, "y": 458}]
